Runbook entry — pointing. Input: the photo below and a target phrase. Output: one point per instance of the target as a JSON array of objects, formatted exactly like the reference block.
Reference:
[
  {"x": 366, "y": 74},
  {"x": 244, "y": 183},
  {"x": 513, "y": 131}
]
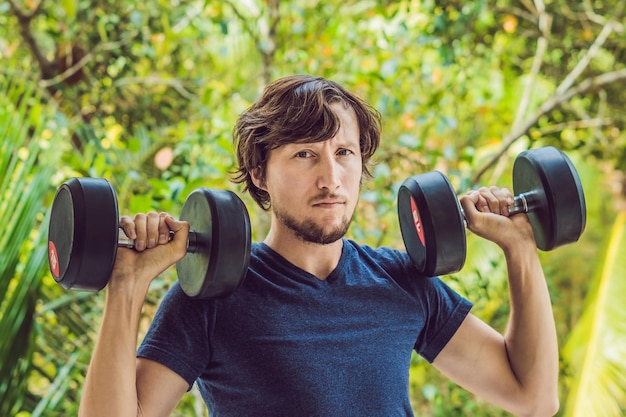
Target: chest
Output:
[
  {"x": 334, "y": 320},
  {"x": 274, "y": 342}
]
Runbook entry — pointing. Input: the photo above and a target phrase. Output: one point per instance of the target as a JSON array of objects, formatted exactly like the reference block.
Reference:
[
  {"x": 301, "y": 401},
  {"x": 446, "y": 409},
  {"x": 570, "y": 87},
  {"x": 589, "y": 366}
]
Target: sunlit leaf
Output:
[{"x": 596, "y": 349}]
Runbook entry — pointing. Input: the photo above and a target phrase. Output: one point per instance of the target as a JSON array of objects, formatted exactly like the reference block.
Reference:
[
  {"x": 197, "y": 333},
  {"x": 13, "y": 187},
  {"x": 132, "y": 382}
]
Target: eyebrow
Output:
[{"x": 341, "y": 143}]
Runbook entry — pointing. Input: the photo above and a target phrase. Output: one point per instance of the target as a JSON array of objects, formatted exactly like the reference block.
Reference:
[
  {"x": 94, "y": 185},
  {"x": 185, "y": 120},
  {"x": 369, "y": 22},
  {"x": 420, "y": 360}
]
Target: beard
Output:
[{"x": 309, "y": 231}]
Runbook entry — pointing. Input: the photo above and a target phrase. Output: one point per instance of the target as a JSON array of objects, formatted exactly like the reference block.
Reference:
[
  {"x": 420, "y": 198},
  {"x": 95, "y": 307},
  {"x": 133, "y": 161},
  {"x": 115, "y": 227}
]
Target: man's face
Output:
[{"x": 314, "y": 187}]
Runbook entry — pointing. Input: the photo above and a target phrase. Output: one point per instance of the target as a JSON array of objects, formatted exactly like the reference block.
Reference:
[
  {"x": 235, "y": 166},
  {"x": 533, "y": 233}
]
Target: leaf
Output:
[
  {"x": 70, "y": 8},
  {"x": 25, "y": 179},
  {"x": 596, "y": 348}
]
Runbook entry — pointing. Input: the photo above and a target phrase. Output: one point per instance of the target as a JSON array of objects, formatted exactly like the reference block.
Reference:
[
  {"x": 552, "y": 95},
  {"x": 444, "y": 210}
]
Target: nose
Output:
[{"x": 329, "y": 173}]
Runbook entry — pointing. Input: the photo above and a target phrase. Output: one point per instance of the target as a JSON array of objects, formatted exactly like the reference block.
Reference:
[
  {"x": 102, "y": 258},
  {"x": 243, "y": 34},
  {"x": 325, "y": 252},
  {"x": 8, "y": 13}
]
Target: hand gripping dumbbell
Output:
[
  {"x": 546, "y": 187},
  {"x": 84, "y": 234}
]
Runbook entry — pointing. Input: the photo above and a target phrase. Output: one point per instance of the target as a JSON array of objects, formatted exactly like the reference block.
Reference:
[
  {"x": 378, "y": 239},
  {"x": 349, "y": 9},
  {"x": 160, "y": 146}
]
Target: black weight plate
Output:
[
  {"x": 82, "y": 234},
  {"x": 558, "y": 210},
  {"x": 432, "y": 224},
  {"x": 223, "y": 239}
]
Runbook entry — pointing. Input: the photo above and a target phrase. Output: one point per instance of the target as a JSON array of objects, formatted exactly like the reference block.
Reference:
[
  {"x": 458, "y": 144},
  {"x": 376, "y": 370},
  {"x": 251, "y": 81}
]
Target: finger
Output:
[
  {"x": 141, "y": 233},
  {"x": 504, "y": 200},
  {"x": 181, "y": 233},
  {"x": 483, "y": 200},
  {"x": 164, "y": 230},
  {"x": 152, "y": 229},
  {"x": 469, "y": 201},
  {"x": 492, "y": 202},
  {"x": 176, "y": 226},
  {"x": 128, "y": 226}
]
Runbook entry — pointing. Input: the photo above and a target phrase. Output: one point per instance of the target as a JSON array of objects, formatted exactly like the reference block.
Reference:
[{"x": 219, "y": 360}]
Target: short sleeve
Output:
[
  {"x": 444, "y": 311},
  {"x": 178, "y": 337},
  {"x": 440, "y": 310}
]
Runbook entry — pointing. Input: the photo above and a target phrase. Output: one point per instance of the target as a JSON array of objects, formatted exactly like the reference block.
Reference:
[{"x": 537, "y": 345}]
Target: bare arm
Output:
[
  {"x": 517, "y": 371},
  {"x": 117, "y": 384}
]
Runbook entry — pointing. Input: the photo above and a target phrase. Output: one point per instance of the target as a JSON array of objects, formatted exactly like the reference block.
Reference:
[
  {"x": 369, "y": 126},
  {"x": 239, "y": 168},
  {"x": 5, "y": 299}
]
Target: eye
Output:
[
  {"x": 302, "y": 154},
  {"x": 344, "y": 152}
]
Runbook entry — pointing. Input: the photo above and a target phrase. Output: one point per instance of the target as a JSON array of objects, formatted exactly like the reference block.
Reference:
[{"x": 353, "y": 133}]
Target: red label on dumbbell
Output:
[
  {"x": 417, "y": 221},
  {"x": 53, "y": 258}
]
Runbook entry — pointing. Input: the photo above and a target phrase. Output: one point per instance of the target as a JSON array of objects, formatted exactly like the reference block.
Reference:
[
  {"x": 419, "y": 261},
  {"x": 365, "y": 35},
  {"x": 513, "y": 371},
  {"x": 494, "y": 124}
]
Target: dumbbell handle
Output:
[
  {"x": 523, "y": 203},
  {"x": 192, "y": 241}
]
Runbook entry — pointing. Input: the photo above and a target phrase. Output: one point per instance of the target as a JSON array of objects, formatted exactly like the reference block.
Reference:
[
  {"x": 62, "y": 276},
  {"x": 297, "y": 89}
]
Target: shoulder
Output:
[
  {"x": 383, "y": 252},
  {"x": 394, "y": 261},
  {"x": 177, "y": 309},
  {"x": 398, "y": 265}
]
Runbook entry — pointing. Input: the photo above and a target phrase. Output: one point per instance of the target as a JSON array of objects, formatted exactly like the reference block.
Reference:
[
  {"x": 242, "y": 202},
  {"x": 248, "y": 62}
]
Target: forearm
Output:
[
  {"x": 531, "y": 341},
  {"x": 110, "y": 386}
]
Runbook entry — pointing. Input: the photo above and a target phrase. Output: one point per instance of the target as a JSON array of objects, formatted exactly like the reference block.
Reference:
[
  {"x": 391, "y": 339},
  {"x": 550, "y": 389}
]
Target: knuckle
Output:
[{"x": 125, "y": 220}]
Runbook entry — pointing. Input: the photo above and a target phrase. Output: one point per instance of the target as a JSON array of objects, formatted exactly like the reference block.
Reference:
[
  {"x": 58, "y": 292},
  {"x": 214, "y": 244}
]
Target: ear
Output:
[{"x": 258, "y": 178}]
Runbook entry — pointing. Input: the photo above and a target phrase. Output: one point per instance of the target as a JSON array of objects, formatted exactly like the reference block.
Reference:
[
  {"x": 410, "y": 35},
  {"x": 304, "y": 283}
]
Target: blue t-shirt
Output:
[{"x": 288, "y": 344}]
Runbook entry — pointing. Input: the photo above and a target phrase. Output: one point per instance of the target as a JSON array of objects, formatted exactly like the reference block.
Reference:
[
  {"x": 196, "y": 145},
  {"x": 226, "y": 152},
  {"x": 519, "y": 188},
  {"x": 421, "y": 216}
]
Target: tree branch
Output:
[
  {"x": 154, "y": 80},
  {"x": 553, "y": 102},
  {"x": 542, "y": 46},
  {"x": 577, "y": 124},
  {"x": 584, "y": 62},
  {"x": 244, "y": 21},
  {"x": 22, "y": 15},
  {"x": 563, "y": 92},
  {"x": 596, "y": 18},
  {"x": 544, "y": 24},
  {"x": 59, "y": 78},
  {"x": 267, "y": 46},
  {"x": 46, "y": 66}
]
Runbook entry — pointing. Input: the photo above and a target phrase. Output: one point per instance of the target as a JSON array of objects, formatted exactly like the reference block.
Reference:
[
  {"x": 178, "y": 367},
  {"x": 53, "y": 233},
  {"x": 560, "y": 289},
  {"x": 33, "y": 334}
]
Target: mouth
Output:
[
  {"x": 328, "y": 204},
  {"x": 328, "y": 200}
]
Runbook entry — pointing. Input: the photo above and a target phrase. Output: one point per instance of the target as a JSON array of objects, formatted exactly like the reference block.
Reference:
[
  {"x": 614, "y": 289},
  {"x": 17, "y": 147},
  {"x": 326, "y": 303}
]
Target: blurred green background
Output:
[{"x": 145, "y": 93}]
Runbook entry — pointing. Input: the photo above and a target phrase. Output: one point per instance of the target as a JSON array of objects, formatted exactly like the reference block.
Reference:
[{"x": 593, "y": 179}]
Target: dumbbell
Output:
[
  {"x": 546, "y": 187},
  {"x": 84, "y": 234}
]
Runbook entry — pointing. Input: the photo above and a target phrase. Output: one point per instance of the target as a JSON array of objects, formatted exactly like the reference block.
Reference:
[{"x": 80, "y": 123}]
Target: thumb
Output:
[{"x": 181, "y": 235}]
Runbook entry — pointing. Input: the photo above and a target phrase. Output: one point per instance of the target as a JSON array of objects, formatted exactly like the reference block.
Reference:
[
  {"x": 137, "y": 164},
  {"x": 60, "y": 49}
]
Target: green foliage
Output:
[
  {"x": 26, "y": 165},
  {"x": 597, "y": 345},
  {"x": 146, "y": 94}
]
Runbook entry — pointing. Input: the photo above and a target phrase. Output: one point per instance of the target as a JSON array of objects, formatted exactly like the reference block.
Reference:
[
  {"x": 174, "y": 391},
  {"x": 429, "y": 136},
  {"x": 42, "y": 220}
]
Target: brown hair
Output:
[{"x": 296, "y": 109}]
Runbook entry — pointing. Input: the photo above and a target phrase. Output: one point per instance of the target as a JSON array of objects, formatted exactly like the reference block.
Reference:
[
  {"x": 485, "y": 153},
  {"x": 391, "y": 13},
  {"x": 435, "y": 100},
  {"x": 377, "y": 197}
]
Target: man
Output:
[{"x": 321, "y": 326}]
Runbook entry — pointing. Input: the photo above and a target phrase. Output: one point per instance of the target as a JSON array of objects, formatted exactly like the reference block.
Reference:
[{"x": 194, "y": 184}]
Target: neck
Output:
[{"x": 318, "y": 260}]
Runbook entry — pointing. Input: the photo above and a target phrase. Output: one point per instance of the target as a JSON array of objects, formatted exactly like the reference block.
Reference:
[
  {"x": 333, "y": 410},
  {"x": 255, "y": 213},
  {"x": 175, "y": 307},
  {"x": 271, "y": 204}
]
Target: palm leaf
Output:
[
  {"x": 25, "y": 172},
  {"x": 59, "y": 387},
  {"x": 596, "y": 349}
]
